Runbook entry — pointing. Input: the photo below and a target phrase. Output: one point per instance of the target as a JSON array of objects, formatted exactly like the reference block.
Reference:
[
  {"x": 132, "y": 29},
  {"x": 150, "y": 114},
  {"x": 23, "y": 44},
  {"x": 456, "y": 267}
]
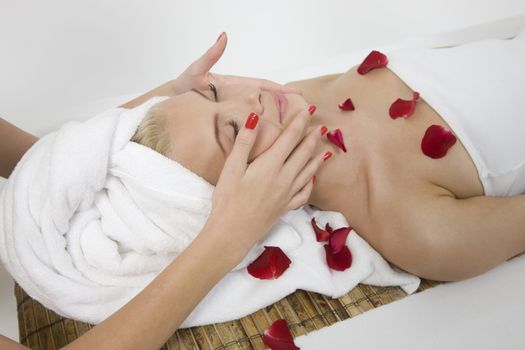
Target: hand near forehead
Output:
[{"x": 198, "y": 75}]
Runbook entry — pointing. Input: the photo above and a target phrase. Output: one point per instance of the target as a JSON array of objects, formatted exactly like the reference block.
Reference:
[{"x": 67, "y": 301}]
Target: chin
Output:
[{"x": 296, "y": 103}]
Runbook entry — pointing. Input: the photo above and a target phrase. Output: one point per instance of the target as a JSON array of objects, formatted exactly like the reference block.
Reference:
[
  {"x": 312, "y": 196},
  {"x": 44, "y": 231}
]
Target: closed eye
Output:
[
  {"x": 214, "y": 90},
  {"x": 235, "y": 127},
  {"x": 232, "y": 122}
]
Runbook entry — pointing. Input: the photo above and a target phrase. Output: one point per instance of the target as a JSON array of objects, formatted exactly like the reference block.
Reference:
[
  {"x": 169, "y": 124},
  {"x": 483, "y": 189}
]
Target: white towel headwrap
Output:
[{"x": 89, "y": 218}]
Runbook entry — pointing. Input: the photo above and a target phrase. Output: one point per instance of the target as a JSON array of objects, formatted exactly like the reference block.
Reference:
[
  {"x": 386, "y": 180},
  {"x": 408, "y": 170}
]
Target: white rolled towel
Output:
[{"x": 88, "y": 218}]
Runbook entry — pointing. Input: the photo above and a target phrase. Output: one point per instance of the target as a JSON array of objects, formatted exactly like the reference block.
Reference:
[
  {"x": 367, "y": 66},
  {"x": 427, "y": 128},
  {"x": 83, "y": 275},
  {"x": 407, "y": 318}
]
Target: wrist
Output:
[{"x": 228, "y": 237}]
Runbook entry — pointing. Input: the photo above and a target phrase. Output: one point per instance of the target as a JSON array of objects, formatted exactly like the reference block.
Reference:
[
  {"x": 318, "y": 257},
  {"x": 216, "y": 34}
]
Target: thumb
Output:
[{"x": 238, "y": 159}]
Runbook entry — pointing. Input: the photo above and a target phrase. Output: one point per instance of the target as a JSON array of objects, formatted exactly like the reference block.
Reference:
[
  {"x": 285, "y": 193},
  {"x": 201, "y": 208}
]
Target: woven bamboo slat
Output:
[{"x": 304, "y": 311}]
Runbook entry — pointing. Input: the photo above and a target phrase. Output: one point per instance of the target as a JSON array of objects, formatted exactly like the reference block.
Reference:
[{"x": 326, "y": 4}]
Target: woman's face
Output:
[{"x": 202, "y": 129}]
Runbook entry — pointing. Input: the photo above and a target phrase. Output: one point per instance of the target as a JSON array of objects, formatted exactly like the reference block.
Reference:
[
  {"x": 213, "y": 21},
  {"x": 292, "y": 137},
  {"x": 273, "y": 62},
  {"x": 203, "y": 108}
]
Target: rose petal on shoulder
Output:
[{"x": 375, "y": 59}]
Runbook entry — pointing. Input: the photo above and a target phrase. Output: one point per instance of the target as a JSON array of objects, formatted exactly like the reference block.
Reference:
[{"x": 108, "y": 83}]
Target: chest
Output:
[{"x": 387, "y": 152}]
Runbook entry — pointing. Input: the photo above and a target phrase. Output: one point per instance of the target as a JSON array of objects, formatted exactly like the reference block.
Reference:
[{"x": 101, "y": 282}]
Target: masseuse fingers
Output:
[
  {"x": 301, "y": 197},
  {"x": 264, "y": 84},
  {"x": 276, "y": 87},
  {"x": 204, "y": 63},
  {"x": 301, "y": 154},
  {"x": 307, "y": 172},
  {"x": 237, "y": 161},
  {"x": 288, "y": 140}
]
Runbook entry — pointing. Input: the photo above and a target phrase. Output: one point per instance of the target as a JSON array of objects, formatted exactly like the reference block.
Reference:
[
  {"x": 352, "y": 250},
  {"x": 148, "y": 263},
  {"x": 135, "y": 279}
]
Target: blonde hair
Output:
[{"x": 152, "y": 131}]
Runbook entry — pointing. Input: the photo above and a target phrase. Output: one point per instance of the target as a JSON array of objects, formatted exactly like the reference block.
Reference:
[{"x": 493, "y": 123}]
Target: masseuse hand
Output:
[
  {"x": 253, "y": 196},
  {"x": 198, "y": 75}
]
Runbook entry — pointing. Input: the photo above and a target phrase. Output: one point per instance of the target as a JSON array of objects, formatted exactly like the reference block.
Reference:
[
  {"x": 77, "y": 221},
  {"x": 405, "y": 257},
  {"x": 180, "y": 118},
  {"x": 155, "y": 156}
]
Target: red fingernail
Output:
[
  {"x": 327, "y": 155},
  {"x": 252, "y": 121},
  {"x": 324, "y": 129},
  {"x": 313, "y": 179},
  {"x": 312, "y": 109}
]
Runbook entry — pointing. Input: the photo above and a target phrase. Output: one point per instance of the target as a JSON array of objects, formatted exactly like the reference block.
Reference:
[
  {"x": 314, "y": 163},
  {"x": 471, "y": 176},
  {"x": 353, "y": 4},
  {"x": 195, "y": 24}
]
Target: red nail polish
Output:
[
  {"x": 252, "y": 121},
  {"x": 314, "y": 179},
  {"x": 327, "y": 155},
  {"x": 324, "y": 129},
  {"x": 312, "y": 109}
]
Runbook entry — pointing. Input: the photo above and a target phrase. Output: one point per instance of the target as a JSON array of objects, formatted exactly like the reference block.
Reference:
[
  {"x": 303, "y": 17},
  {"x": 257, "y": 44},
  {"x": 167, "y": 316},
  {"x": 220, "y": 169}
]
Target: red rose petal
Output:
[
  {"x": 271, "y": 264},
  {"x": 328, "y": 228},
  {"x": 336, "y": 137},
  {"x": 279, "y": 337},
  {"x": 375, "y": 59},
  {"x": 437, "y": 141},
  {"x": 340, "y": 261},
  {"x": 320, "y": 234},
  {"x": 338, "y": 239},
  {"x": 347, "y": 105},
  {"x": 403, "y": 108}
]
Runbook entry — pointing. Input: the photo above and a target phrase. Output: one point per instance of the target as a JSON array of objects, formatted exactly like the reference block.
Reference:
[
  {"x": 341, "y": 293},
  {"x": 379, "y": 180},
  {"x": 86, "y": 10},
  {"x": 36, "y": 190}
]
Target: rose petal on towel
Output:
[
  {"x": 278, "y": 336},
  {"x": 347, "y": 105},
  {"x": 271, "y": 264},
  {"x": 338, "y": 239},
  {"x": 403, "y": 108},
  {"x": 436, "y": 141},
  {"x": 340, "y": 261},
  {"x": 320, "y": 234},
  {"x": 336, "y": 137},
  {"x": 375, "y": 59},
  {"x": 328, "y": 228}
]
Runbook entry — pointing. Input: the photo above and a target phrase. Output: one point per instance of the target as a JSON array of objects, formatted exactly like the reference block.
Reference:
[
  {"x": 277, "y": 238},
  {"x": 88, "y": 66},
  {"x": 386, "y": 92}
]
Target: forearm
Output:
[
  {"x": 149, "y": 319},
  {"x": 14, "y": 142},
  {"x": 165, "y": 89}
]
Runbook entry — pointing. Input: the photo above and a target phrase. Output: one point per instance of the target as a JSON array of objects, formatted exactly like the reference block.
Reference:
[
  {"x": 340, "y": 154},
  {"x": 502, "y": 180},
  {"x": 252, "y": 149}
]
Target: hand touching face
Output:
[{"x": 202, "y": 124}]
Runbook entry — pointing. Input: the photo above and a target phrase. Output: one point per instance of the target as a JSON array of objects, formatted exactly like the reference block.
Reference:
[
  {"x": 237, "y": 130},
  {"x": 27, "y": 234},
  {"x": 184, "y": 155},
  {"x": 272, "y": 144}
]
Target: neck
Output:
[
  {"x": 341, "y": 179},
  {"x": 324, "y": 194}
]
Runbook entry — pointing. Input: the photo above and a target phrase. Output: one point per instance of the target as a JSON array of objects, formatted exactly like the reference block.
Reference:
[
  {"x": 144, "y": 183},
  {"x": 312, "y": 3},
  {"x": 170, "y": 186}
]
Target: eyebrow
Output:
[{"x": 215, "y": 124}]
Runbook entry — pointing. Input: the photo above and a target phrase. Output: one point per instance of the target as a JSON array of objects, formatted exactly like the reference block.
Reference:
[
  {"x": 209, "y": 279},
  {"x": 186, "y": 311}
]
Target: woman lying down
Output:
[{"x": 419, "y": 149}]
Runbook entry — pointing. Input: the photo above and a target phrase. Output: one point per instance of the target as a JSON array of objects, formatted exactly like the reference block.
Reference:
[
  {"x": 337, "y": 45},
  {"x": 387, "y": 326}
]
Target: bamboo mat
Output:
[{"x": 304, "y": 311}]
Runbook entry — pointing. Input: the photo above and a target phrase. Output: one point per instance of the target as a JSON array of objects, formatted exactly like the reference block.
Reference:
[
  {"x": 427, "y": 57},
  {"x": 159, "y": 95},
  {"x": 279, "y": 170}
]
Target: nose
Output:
[{"x": 254, "y": 99}]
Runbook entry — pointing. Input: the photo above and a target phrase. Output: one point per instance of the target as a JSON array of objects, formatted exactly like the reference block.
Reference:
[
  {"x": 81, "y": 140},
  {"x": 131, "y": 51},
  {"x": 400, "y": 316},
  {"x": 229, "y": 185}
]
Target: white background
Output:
[{"x": 57, "y": 57}]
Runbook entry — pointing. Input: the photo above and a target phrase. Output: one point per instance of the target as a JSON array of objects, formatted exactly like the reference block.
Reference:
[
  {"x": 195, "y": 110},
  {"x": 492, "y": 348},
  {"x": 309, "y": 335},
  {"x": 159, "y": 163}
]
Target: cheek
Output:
[{"x": 265, "y": 138}]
